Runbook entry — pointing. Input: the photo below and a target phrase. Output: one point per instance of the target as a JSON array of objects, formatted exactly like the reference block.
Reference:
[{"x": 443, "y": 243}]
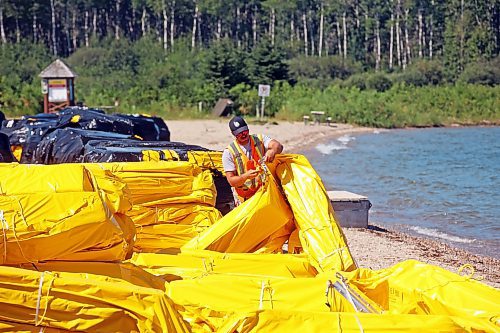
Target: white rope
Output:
[
  {"x": 261, "y": 294},
  {"x": 349, "y": 297},
  {"x": 39, "y": 298},
  {"x": 5, "y": 226}
]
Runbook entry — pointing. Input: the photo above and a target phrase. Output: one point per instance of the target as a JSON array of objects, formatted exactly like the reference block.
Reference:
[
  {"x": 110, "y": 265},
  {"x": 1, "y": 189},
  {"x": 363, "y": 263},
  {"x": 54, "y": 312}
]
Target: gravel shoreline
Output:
[{"x": 378, "y": 248}]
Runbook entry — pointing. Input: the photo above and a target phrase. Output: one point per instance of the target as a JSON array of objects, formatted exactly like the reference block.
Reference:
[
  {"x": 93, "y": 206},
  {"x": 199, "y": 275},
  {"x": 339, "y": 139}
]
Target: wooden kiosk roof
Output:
[{"x": 57, "y": 69}]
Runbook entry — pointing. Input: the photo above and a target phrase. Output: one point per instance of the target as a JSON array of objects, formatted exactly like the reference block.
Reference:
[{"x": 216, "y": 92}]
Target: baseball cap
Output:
[{"x": 237, "y": 125}]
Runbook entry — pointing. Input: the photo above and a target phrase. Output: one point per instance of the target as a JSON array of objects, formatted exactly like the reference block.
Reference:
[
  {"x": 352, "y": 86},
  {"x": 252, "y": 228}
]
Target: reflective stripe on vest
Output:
[{"x": 240, "y": 161}]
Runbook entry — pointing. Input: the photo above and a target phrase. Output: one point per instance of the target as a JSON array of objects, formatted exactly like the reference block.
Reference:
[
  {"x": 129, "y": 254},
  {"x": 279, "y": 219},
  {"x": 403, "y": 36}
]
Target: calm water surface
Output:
[{"x": 442, "y": 183}]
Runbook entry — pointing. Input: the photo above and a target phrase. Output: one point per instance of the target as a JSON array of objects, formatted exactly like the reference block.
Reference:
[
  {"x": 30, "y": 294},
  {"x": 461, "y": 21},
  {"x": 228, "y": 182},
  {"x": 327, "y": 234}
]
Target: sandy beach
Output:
[{"x": 373, "y": 248}]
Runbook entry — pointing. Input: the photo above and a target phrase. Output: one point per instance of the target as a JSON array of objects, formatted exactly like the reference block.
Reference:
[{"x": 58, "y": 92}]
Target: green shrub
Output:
[
  {"x": 484, "y": 73},
  {"x": 379, "y": 82},
  {"x": 355, "y": 81}
]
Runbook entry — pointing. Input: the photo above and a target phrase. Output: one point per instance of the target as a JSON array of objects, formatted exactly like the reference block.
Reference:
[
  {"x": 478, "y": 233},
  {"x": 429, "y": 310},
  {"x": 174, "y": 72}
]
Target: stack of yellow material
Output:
[
  {"x": 62, "y": 213},
  {"x": 83, "y": 302},
  {"x": 172, "y": 201},
  {"x": 228, "y": 274}
]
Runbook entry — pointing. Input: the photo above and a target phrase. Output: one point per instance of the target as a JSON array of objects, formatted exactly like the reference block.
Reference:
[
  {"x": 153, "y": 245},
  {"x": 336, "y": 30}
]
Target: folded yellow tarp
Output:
[
  {"x": 156, "y": 183},
  {"x": 233, "y": 293},
  {"x": 175, "y": 213},
  {"x": 281, "y": 321},
  {"x": 320, "y": 235},
  {"x": 32, "y": 178},
  {"x": 197, "y": 264},
  {"x": 125, "y": 271},
  {"x": 61, "y": 226},
  {"x": 161, "y": 238},
  {"x": 84, "y": 302},
  {"x": 64, "y": 178},
  {"x": 26, "y": 328},
  {"x": 246, "y": 227},
  {"x": 208, "y": 160},
  {"x": 419, "y": 288}
]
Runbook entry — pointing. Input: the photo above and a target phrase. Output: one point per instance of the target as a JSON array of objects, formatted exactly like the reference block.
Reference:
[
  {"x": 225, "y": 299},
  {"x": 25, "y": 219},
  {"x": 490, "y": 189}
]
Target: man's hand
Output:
[
  {"x": 273, "y": 148},
  {"x": 269, "y": 156},
  {"x": 251, "y": 174}
]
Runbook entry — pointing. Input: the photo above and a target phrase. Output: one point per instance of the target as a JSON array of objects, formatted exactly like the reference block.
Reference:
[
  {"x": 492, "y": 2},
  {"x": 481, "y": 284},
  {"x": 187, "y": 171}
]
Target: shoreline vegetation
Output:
[
  {"x": 376, "y": 247},
  {"x": 139, "y": 77}
]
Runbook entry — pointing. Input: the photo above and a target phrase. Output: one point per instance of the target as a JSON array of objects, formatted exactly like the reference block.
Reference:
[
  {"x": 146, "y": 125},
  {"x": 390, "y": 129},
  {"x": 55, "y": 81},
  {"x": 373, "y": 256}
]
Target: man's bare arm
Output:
[
  {"x": 237, "y": 180},
  {"x": 273, "y": 148}
]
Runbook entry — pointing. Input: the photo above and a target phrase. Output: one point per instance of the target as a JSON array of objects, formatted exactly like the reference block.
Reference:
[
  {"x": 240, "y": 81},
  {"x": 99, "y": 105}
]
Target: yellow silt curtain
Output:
[
  {"x": 284, "y": 321},
  {"x": 248, "y": 226},
  {"x": 418, "y": 288},
  {"x": 172, "y": 201},
  {"x": 68, "y": 213},
  {"x": 194, "y": 264},
  {"x": 84, "y": 302},
  {"x": 320, "y": 235}
]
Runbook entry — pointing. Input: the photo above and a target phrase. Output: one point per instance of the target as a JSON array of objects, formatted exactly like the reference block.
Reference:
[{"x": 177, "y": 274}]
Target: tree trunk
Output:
[
  {"x": 106, "y": 21},
  {"x": 420, "y": 34},
  {"x": 366, "y": 41},
  {"x": 378, "y": 56},
  {"x": 75, "y": 31},
  {"x": 292, "y": 30},
  {"x": 313, "y": 45},
  {"x": 398, "y": 40},
  {"x": 195, "y": 24},
  {"x": 218, "y": 33},
  {"x": 131, "y": 23},
  {"x": 304, "y": 23},
  {"x": 94, "y": 24},
  {"x": 117, "y": 20},
  {"x": 143, "y": 21},
  {"x": 254, "y": 25},
  {"x": 272, "y": 24},
  {"x": 2, "y": 28},
  {"x": 344, "y": 27},
  {"x": 172, "y": 26},
  {"x": 339, "y": 43},
  {"x": 35, "y": 36},
  {"x": 321, "y": 23},
  {"x": 462, "y": 36},
  {"x": 165, "y": 28},
  {"x": 18, "y": 32},
  {"x": 430, "y": 38},
  {"x": 53, "y": 20},
  {"x": 238, "y": 22},
  {"x": 67, "y": 31},
  {"x": 86, "y": 28},
  {"x": 407, "y": 38},
  {"x": 391, "y": 42}
]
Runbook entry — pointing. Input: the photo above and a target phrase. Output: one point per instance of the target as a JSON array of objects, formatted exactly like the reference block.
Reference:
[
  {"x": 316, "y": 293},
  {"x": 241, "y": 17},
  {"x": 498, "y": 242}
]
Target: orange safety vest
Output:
[{"x": 241, "y": 161}]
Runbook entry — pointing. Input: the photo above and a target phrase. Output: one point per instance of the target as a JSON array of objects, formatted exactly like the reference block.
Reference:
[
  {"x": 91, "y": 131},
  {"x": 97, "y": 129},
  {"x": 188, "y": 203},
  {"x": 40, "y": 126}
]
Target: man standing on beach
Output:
[{"x": 241, "y": 157}]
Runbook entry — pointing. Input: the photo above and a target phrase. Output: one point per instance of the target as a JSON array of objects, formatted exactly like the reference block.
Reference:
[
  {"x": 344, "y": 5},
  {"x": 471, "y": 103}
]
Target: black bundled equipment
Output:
[
  {"x": 66, "y": 145},
  {"x": 28, "y": 131},
  {"x": 148, "y": 128},
  {"x": 131, "y": 150},
  {"x": 5, "y": 152}
]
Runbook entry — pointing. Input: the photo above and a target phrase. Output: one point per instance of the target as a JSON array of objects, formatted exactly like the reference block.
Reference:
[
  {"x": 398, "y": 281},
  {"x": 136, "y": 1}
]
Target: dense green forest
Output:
[{"x": 386, "y": 63}]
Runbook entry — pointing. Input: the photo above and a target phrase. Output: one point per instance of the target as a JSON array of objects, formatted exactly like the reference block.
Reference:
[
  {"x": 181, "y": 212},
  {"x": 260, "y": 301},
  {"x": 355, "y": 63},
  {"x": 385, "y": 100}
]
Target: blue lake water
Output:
[{"x": 441, "y": 183}]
